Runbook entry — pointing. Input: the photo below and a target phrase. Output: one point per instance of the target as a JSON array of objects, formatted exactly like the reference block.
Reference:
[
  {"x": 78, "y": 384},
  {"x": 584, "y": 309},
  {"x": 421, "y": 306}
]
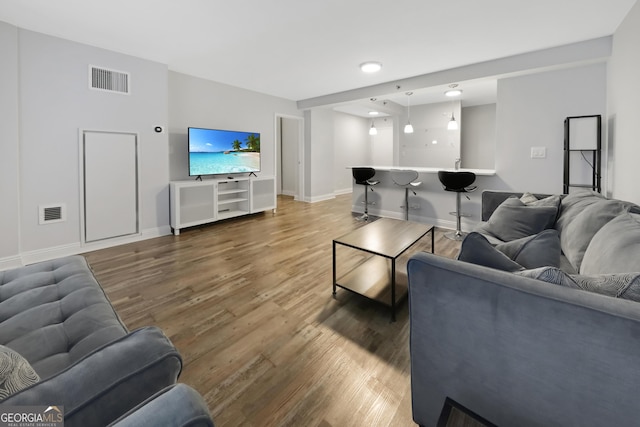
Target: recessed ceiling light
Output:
[
  {"x": 453, "y": 91},
  {"x": 373, "y": 113},
  {"x": 370, "y": 66}
]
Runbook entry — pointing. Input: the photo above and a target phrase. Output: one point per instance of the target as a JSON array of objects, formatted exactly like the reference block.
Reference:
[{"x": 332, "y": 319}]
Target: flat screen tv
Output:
[{"x": 216, "y": 151}]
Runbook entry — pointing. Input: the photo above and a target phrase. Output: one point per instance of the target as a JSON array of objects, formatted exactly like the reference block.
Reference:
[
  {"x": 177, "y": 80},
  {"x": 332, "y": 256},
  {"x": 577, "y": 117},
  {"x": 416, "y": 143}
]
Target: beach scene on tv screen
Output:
[{"x": 218, "y": 152}]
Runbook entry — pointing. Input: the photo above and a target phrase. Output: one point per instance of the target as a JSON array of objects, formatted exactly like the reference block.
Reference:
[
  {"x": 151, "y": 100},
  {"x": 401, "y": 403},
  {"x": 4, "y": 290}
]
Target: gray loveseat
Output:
[
  {"x": 56, "y": 316},
  {"x": 521, "y": 351}
]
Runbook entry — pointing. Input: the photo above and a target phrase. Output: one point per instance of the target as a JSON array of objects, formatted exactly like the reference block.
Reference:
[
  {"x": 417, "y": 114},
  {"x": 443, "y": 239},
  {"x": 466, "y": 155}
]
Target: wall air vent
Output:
[
  {"x": 108, "y": 80},
  {"x": 48, "y": 214}
]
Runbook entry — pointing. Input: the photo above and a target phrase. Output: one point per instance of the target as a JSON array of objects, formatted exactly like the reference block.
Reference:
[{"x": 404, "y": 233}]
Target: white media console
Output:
[{"x": 199, "y": 202}]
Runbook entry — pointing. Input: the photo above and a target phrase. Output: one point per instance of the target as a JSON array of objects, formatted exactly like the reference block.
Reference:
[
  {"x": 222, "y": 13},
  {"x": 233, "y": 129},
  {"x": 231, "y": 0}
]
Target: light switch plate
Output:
[{"x": 538, "y": 152}]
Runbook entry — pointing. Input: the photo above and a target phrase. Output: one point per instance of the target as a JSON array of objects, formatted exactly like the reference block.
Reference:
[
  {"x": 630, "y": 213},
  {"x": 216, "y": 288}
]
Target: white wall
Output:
[
  {"x": 478, "y": 134},
  {"x": 10, "y": 212},
  {"x": 319, "y": 155},
  {"x": 530, "y": 112},
  {"x": 352, "y": 147},
  {"x": 381, "y": 145},
  {"x": 623, "y": 106},
  {"x": 203, "y": 103},
  {"x": 55, "y": 102},
  {"x": 430, "y": 123}
]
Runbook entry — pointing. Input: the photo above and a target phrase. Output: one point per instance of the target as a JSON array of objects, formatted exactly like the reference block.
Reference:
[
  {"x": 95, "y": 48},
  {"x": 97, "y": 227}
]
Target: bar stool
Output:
[
  {"x": 363, "y": 177},
  {"x": 458, "y": 182},
  {"x": 406, "y": 179}
]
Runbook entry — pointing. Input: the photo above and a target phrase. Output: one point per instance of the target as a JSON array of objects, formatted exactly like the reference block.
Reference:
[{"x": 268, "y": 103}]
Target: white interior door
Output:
[{"x": 110, "y": 185}]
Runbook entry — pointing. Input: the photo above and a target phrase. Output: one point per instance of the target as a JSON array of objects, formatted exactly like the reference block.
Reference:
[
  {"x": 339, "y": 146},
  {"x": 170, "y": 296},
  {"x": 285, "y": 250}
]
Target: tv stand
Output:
[
  {"x": 253, "y": 173},
  {"x": 204, "y": 201},
  {"x": 199, "y": 178}
]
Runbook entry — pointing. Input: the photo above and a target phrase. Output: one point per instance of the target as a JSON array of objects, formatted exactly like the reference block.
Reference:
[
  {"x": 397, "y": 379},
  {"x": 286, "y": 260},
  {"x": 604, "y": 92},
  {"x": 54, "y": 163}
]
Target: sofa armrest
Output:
[
  {"x": 109, "y": 381},
  {"x": 518, "y": 351},
  {"x": 177, "y": 406}
]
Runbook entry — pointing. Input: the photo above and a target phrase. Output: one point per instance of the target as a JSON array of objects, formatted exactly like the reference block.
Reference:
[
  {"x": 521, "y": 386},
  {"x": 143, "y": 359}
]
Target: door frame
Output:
[
  {"x": 278, "y": 152},
  {"x": 81, "y": 184}
]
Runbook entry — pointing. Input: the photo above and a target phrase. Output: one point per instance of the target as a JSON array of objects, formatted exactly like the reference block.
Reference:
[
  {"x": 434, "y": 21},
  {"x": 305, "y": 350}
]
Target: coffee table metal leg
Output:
[
  {"x": 433, "y": 244},
  {"x": 393, "y": 289},
  {"x": 334, "y": 269}
]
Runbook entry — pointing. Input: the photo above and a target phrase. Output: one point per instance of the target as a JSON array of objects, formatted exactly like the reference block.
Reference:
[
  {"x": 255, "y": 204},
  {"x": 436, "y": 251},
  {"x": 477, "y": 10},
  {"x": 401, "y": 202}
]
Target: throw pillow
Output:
[
  {"x": 550, "y": 275},
  {"x": 15, "y": 372},
  {"x": 528, "y": 198},
  {"x": 476, "y": 249},
  {"x": 619, "y": 285},
  {"x": 531, "y": 200},
  {"x": 539, "y": 250},
  {"x": 615, "y": 248},
  {"x": 577, "y": 234},
  {"x": 513, "y": 220},
  {"x": 573, "y": 204}
]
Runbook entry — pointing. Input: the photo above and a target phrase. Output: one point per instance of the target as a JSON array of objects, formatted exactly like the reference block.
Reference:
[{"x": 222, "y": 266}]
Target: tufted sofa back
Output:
[{"x": 54, "y": 313}]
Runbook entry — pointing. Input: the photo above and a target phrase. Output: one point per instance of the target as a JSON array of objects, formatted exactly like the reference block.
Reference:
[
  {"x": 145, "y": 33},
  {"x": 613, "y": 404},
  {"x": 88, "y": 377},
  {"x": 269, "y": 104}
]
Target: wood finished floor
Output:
[{"x": 248, "y": 304}]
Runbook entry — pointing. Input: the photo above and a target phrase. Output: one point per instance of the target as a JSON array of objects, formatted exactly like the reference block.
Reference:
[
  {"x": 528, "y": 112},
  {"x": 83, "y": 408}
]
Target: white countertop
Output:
[{"x": 487, "y": 172}]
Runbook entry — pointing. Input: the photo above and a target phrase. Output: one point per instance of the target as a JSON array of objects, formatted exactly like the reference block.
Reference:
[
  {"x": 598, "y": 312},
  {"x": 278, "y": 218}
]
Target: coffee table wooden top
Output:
[{"x": 385, "y": 237}]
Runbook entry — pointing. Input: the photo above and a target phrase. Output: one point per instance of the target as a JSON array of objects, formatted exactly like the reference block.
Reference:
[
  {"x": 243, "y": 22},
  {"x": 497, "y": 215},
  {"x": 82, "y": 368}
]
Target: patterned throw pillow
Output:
[
  {"x": 617, "y": 285},
  {"x": 15, "y": 373},
  {"x": 550, "y": 275}
]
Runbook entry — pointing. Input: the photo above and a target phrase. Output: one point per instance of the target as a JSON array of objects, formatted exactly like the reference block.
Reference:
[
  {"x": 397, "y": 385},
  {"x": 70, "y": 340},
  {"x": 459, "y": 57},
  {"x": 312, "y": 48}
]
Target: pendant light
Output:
[
  {"x": 453, "y": 92},
  {"x": 372, "y": 129},
  {"x": 408, "y": 128},
  {"x": 452, "y": 125}
]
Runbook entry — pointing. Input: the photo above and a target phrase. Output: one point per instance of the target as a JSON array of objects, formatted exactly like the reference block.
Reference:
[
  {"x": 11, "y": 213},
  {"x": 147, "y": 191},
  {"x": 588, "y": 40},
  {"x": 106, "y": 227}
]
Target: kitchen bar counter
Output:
[
  {"x": 480, "y": 172},
  {"x": 430, "y": 205}
]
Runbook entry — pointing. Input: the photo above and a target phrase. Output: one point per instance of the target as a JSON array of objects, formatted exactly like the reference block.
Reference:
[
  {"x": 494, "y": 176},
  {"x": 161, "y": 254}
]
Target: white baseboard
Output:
[
  {"x": 343, "y": 191},
  {"x": 320, "y": 198},
  {"x": 76, "y": 248},
  {"x": 10, "y": 262}
]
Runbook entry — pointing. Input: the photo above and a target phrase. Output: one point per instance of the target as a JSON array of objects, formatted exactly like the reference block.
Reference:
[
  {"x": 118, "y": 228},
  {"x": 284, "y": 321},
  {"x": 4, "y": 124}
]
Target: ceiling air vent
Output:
[
  {"x": 108, "y": 80},
  {"x": 52, "y": 213}
]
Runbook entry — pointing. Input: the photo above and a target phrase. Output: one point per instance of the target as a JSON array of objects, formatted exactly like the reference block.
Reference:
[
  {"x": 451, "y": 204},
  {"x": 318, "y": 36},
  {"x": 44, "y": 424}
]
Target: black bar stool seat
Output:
[
  {"x": 458, "y": 182},
  {"x": 363, "y": 176}
]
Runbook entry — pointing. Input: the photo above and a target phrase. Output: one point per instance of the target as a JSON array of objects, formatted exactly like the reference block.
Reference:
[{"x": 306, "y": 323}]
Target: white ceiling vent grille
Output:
[
  {"x": 48, "y": 214},
  {"x": 108, "y": 80}
]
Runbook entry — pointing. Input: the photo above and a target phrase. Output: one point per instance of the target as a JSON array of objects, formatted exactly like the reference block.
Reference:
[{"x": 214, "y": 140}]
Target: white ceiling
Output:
[{"x": 297, "y": 49}]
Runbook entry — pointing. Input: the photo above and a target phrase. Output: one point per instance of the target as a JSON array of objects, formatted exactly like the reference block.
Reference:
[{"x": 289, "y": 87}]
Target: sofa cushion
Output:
[
  {"x": 573, "y": 204},
  {"x": 15, "y": 372},
  {"x": 539, "y": 250},
  {"x": 59, "y": 303},
  {"x": 513, "y": 219},
  {"x": 615, "y": 248},
  {"x": 108, "y": 381},
  {"x": 476, "y": 249},
  {"x": 577, "y": 234}
]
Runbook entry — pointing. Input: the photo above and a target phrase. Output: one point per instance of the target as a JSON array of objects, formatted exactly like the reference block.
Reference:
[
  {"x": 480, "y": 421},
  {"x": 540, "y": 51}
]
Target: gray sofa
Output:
[
  {"x": 56, "y": 316},
  {"x": 518, "y": 350}
]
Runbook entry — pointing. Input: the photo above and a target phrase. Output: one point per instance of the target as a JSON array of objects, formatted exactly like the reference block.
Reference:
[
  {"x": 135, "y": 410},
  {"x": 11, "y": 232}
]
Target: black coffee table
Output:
[{"x": 376, "y": 277}]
